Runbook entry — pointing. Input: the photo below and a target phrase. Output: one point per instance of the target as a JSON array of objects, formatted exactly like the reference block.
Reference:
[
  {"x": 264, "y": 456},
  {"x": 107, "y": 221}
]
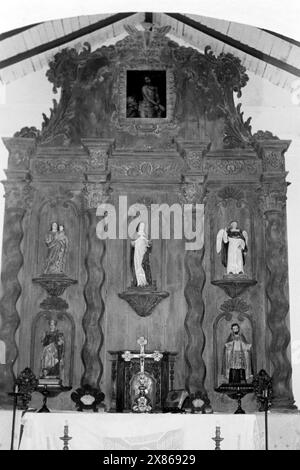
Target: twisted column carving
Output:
[
  {"x": 92, "y": 320},
  {"x": 12, "y": 261},
  {"x": 276, "y": 292},
  {"x": 196, "y": 369}
]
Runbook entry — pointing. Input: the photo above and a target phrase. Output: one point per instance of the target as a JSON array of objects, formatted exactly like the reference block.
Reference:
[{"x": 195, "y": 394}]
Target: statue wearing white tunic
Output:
[
  {"x": 140, "y": 262},
  {"x": 232, "y": 243}
]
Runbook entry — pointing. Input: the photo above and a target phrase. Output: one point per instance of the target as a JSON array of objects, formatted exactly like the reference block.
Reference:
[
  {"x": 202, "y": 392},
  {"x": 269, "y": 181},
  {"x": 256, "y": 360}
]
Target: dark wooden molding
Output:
[
  {"x": 64, "y": 39},
  {"x": 281, "y": 36},
  {"x": 236, "y": 44},
  {"x": 14, "y": 32}
]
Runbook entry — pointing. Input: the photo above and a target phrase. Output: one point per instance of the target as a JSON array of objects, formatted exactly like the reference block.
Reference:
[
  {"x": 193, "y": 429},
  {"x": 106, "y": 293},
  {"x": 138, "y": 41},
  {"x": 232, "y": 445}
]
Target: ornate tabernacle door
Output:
[{"x": 124, "y": 374}]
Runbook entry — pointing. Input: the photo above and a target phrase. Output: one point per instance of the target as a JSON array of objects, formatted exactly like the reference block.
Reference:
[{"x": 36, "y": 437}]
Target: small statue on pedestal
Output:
[
  {"x": 232, "y": 242},
  {"x": 57, "y": 243},
  {"x": 140, "y": 258},
  {"x": 237, "y": 360},
  {"x": 52, "y": 355}
]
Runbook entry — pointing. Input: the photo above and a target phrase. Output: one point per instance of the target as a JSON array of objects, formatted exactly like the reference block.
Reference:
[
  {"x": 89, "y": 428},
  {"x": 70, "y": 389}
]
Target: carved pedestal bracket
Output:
[
  {"x": 143, "y": 300},
  {"x": 234, "y": 287}
]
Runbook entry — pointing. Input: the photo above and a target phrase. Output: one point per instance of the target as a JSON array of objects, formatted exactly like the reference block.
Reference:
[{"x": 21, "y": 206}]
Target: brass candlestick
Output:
[
  {"x": 66, "y": 438},
  {"x": 218, "y": 439}
]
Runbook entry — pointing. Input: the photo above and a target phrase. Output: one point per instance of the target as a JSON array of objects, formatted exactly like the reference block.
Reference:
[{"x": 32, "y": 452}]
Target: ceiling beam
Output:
[
  {"x": 235, "y": 43},
  {"x": 14, "y": 32},
  {"x": 64, "y": 39},
  {"x": 281, "y": 36}
]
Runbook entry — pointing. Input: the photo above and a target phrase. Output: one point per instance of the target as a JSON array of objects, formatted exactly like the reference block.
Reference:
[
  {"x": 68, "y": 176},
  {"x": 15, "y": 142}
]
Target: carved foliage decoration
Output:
[
  {"x": 94, "y": 194},
  {"x": 191, "y": 193},
  {"x": 147, "y": 169},
  {"x": 234, "y": 305},
  {"x": 231, "y": 192},
  {"x": 226, "y": 167},
  {"x": 93, "y": 98}
]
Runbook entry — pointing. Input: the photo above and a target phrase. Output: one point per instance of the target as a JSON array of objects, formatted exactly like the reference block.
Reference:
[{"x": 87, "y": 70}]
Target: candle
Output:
[{"x": 16, "y": 388}]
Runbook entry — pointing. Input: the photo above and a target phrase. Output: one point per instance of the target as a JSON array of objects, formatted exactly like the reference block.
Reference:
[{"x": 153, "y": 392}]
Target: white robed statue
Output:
[
  {"x": 232, "y": 242},
  {"x": 140, "y": 262}
]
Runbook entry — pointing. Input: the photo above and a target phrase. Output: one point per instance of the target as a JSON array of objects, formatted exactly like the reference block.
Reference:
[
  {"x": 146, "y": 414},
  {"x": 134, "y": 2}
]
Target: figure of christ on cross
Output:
[{"x": 142, "y": 403}]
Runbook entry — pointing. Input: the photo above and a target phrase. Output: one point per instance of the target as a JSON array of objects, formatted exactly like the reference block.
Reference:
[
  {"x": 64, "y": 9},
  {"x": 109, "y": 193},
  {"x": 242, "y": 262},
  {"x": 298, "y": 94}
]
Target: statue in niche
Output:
[
  {"x": 140, "y": 258},
  {"x": 150, "y": 106},
  {"x": 146, "y": 94},
  {"x": 52, "y": 358},
  {"x": 232, "y": 242},
  {"x": 237, "y": 358},
  {"x": 57, "y": 243}
]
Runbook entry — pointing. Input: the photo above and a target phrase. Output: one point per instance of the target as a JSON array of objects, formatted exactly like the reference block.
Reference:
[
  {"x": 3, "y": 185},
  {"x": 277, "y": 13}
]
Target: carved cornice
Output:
[
  {"x": 272, "y": 151},
  {"x": 20, "y": 150}
]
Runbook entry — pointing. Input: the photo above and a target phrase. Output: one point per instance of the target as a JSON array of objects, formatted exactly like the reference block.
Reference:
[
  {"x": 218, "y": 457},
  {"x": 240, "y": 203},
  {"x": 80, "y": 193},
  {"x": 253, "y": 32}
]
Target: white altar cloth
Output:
[
  {"x": 113, "y": 431},
  {"x": 6, "y": 429}
]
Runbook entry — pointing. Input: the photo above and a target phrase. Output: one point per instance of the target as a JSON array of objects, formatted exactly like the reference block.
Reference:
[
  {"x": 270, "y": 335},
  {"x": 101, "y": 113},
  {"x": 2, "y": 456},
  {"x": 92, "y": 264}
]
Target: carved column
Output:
[
  {"x": 18, "y": 198},
  {"x": 95, "y": 307},
  {"x": 196, "y": 369},
  {"x": 192, "y": 193},
  {"x": 276, "y": 287}
]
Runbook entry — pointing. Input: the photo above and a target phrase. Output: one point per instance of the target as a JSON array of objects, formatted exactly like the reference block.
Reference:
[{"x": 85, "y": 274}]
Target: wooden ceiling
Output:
[{"x": 265, "y": 53}]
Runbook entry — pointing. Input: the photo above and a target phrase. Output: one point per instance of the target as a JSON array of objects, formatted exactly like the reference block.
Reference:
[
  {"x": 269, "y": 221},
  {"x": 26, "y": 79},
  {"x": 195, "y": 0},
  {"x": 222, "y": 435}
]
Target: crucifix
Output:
[{"x": 142, "y": 403}]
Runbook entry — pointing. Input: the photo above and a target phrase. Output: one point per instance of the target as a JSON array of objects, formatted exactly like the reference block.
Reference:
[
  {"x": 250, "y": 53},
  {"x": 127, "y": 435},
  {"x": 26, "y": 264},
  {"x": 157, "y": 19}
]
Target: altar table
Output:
[{"x": 114, "y": 431}]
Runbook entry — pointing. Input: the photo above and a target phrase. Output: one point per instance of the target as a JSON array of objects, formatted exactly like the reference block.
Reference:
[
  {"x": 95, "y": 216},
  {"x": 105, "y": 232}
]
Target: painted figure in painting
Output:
[
  {"x": 237, "y": 357},
  {"x": 57, "y": 243},
  {"x": 53, "y": 352},
  {"x": 232, "y": 242},
  {"x": 140, "y": 261},
  {"x": 150, "y": 106}
]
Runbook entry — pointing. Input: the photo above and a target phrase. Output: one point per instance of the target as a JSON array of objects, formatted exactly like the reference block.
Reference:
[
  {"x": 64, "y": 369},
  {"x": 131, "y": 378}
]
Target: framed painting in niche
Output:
[
  {"x": 135, "y": 112},
  {"x": 146, "y": 94}
]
